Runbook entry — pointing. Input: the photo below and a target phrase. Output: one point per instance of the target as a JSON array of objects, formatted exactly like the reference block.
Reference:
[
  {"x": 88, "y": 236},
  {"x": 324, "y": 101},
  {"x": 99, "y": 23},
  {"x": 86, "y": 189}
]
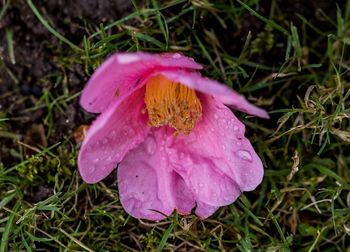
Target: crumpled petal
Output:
[
  {"x": 207, "y": 169},
  {"x": 116, "y": 131},
  {"x": 123, "y": 72},
  {"x": 148, "y": 186},
  {"x": 219, "y": 137},
  {"x": 208, "y": 184},
  {"x": 183, "y": 196},
  {"x": 219, "y": 91}
]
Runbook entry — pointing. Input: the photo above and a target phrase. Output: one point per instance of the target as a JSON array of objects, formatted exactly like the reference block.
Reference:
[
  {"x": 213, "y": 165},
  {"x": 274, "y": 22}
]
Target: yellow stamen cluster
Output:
[{"x": 171, "y": 103}]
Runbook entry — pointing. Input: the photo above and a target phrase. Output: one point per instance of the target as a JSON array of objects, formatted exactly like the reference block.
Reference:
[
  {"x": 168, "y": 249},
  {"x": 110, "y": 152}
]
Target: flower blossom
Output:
[{"x": 176, "y": 145}]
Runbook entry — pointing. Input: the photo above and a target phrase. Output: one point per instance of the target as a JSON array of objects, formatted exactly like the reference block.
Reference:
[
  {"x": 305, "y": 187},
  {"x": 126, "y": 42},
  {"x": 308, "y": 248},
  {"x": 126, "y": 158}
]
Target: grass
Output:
[{"x": 295, "y": 66}]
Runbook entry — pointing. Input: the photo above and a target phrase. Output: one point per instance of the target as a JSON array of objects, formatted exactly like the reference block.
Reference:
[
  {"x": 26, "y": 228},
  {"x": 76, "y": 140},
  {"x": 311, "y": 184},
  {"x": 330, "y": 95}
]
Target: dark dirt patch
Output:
[{"x": 38, "y": 56}]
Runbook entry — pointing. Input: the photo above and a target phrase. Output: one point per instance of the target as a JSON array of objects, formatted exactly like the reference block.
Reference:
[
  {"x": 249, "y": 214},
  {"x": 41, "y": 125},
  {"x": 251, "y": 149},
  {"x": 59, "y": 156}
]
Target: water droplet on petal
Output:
[
  {"x": 223, "y": 121},
  {"x": 200, "y": 185},
  {"x": 176, "y": 55},
  {"x": 235, "y": 128},
  {"x": 127, "y": 131},
  {"x": 245, "y": 155},
  {"x": 131, "y": 204},
  {"x": 138, "y": 204},
  {"x": 228, "y": 198},
  {"x": 151, "y": 146},
  {"x": 122, "y": 186},
  {"x": 92, "y": 168}
]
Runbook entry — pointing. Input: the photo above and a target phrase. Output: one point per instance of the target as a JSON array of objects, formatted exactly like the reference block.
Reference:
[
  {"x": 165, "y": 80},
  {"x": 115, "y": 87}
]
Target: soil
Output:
[{"x": 35, "y": 53}]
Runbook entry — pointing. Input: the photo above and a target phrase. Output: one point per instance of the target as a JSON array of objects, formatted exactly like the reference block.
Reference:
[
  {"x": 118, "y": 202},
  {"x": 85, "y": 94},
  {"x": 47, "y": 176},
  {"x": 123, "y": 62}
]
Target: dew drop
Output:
[
  {"x": 200, "y": 185},
  {"x": 223, "y": 121},
  {"x": 245, "y": 155},
  {"x": 122, "y": 186},
  {"x": 235, "y": 128},
  {"x": 127, "y": 131},
  {"x": 228, "y": 198},
  {"x": 151, "y": 146},
  {"x": 92, "y": 168},
  {"x": 127, "y": 58},
  {"x": 132, "y": 204}
]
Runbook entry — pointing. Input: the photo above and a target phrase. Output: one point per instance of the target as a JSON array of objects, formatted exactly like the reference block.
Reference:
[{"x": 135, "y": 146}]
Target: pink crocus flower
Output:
[{"x": 176, "y": 145}]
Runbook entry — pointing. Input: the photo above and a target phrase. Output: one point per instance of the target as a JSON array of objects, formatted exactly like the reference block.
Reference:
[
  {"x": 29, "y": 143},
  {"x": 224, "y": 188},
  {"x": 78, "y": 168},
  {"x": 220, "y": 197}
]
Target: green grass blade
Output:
[
  {"x": 165, "y": 237},
  {"x": 9, "y": 228},
  {"x": 10, "y": 47}
]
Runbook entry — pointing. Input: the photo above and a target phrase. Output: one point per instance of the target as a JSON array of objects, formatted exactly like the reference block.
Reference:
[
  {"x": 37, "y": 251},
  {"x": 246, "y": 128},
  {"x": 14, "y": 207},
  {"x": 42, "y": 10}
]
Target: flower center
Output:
[{"x": 171, "y": 103}]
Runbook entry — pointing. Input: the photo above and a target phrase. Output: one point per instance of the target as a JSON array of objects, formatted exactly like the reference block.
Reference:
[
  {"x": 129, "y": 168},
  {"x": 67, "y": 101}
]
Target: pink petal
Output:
[
  {"x": 219, "y": 138},
  {"x": 219, "y": 91},
  {"x": 183, "y": 196},
  {"x": 116, "y": 131},
  {"x": 148, "y": 186},
  {"x": 208, "y": 184},
  {"x": 204, "y": 211},
  {"x": 122, "y": 72}
]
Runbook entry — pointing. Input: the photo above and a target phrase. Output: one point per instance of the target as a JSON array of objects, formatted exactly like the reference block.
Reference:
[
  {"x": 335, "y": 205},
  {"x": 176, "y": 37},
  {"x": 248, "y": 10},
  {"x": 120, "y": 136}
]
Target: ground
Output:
[{"x": 290, "y": 57}]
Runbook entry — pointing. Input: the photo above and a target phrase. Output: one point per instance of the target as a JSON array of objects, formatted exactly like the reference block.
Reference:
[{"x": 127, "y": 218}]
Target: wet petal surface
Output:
[
  {"x": 123, "y": 72},
  {"x": 219, "y": 137},
  {"x": 119, "y": 129},
  {"x": 148, "y": 186},
  {"x": 211, "y": 87}
]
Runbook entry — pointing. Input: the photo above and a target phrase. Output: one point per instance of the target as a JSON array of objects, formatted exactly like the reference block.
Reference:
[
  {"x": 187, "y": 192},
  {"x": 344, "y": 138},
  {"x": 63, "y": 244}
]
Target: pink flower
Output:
[{"x": 176, "y": 145}]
